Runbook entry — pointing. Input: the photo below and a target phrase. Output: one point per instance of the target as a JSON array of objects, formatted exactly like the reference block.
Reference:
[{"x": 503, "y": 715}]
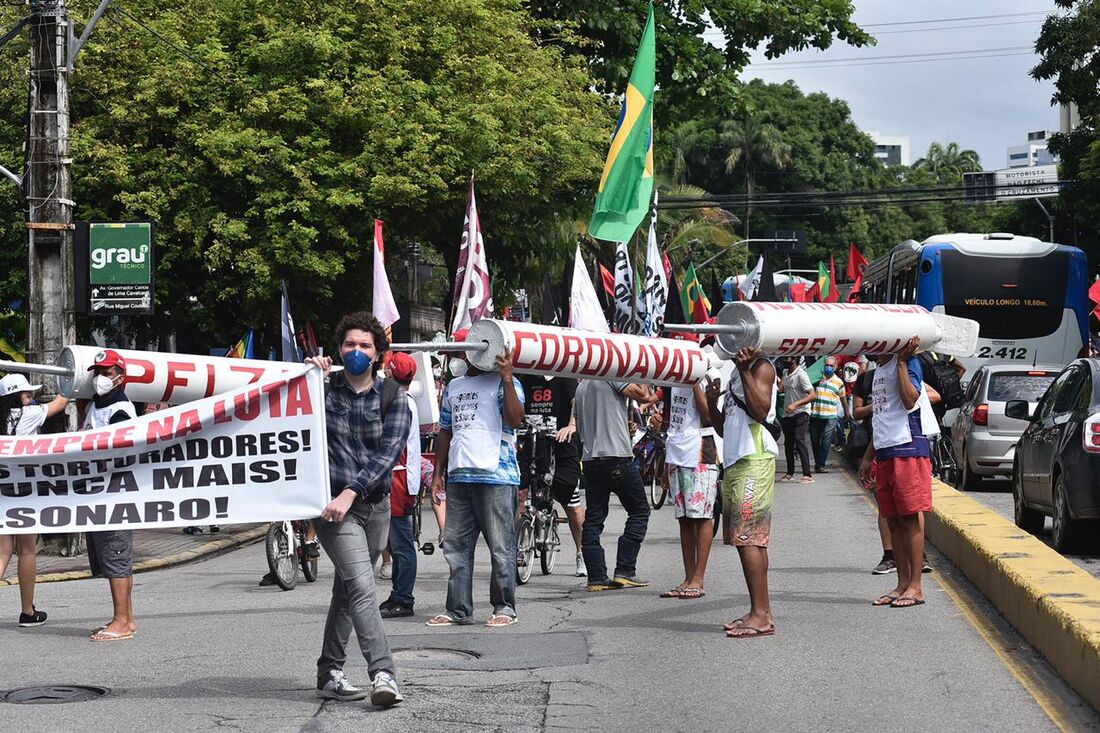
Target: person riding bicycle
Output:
[{"x": 552, "y": 399}]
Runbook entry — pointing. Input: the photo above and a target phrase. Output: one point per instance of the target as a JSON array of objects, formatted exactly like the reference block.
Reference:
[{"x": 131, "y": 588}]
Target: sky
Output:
[{"x": 984, "y": 104}]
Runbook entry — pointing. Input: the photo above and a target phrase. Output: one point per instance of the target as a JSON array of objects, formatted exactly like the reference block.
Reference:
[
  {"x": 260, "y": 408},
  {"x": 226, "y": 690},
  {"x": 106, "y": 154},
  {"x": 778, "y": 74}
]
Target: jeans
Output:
[
  {"x": 353, "y": 545},
  {"x": 474, "y": 509},
  {"x": 403, "y": 550},
  {"x": 794, "y": 439},
  {"x": 821, "y": 438},
  {"x": 602, "y": 478}
]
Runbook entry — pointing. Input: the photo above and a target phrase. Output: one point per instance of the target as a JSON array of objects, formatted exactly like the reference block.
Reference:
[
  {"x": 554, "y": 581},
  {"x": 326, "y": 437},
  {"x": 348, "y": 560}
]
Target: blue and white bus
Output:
[{"x": 1029, "y": 297}]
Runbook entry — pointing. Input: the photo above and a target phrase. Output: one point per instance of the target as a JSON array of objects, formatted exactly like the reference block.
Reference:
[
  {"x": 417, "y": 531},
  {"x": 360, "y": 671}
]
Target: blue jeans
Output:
[
  {"x": 821, "y": 439},
  {"x": 403, "y": 550},
  {"x": 602, "y": 478},
  {"x": 474, "y": 509}
]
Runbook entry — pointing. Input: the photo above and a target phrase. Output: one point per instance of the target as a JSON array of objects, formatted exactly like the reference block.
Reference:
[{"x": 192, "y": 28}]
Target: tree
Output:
[
  {"x": 263, "y": 137},
  {"x": 753, "y": 143},
  {"x": 948, "y": 162}
]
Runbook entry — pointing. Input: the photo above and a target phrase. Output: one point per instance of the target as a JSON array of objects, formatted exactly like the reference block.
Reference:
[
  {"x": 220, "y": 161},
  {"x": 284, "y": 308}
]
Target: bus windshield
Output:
[{"x": 1011, "y": 298}]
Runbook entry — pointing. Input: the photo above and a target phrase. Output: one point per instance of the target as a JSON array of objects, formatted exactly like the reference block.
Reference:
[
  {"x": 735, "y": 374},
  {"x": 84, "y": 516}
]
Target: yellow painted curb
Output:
[
  {"x": 1053, "y": 603},
  {"x": 157, "y": 563}
]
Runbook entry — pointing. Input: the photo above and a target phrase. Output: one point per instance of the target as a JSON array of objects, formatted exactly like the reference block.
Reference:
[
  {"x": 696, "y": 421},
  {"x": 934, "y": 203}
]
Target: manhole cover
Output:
[
  {"x": 52, "y": 694},
  {"x": 434, "y": 654}
]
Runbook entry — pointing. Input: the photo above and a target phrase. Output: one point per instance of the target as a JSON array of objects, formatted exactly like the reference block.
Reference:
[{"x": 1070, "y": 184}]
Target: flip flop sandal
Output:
[
  {"x": 673, "y": 593},
  {"x": 787, "y": 478},
  {"x": 880, "y": 602},
  {"x": 806, "y": 480},
  {"x": 734, "y": 624},
  {"x": 692, "y": 593},
  {"x": 912, "y": 602},
  {"x": 441, "y": 620},
  {"x": 510, "y": 620},
  {"x": 754, "y": 632},
  {"x": 104, "y": 635}
]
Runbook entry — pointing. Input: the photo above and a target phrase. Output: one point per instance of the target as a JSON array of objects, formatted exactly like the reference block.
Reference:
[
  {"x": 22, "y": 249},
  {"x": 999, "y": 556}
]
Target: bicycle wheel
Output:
[
  {"x": 548, "y": 558},
  {"x": 525, "y": 558},
  {"x": 717, "y": 513},
  {"x": 658, "y": 489},
  {"x": 309, "y": 564},
  {"x": 281, "y": 559}
]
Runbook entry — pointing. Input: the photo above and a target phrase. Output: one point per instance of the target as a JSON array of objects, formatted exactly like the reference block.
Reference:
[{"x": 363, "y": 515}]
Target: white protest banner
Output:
[{"x": 255, "y": 454}]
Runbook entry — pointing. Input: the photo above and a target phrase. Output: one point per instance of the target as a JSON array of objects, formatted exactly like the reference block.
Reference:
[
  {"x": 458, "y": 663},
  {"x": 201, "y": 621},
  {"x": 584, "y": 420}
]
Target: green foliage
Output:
[{"x": 948, "y": 162}]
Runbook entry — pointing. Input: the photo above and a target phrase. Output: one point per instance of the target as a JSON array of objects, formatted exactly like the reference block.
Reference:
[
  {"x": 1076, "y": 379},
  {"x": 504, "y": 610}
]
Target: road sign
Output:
[
  {"x": 119, "y": 261},
  {"x": 787, "y": 242},
  {"x": 1040, "y": 181}
]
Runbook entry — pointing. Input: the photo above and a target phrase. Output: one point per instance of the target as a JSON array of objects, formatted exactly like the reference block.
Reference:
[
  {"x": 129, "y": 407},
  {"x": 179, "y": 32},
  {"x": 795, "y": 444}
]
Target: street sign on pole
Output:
[
  {"x": 119, "y": 262},
  {"x": 1008, "y": 184}
]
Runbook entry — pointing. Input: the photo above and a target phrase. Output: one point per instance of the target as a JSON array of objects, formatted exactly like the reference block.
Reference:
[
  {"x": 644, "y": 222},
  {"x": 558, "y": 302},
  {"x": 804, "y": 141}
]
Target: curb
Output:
[
  {"x": 158, "y": 563},
  {"x": 1053, "y": 603}
]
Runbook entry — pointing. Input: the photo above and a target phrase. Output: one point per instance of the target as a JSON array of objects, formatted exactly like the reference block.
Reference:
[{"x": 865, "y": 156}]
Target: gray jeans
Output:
[{"x": 353, "y": 545}]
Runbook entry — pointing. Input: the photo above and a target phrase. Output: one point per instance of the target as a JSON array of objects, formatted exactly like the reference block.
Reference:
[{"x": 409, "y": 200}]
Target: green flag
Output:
[
  {"x": 824, "y": 283},
  {"x": 626, "y": 186}
]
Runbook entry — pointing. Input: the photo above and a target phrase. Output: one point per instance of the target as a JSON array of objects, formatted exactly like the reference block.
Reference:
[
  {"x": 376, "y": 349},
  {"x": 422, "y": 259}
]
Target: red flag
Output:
[
  {"x": 853, "y": 294},
  {"x": 668, "y": 266},
  {"x": 856, "y": 263},
  {"x": 798, "y": 292},
  {"x": 1094, "y": 292},
  {"x": 608, "y": 280},
  {"x": 834, "y": 292},
  {"x": 813, "y": 295}
]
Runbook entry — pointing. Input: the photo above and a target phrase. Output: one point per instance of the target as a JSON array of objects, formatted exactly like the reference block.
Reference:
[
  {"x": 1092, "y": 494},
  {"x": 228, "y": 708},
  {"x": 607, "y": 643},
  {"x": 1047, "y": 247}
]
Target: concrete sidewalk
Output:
[{"x": 153, "y": 549}]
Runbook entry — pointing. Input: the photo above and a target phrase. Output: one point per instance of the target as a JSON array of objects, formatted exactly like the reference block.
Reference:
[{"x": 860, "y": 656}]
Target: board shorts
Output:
[
  {"x": 748, "y": 491},
  {"x": 903, "y": 486},
  {"x": 693, "y": 490},
  {"x": 111, "y": 553}
]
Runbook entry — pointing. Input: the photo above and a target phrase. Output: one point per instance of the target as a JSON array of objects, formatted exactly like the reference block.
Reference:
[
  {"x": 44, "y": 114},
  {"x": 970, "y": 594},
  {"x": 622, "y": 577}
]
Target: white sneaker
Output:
[
  {"x": 582, "y": 569},
  {"x": 338, "y": 688},
  {"x": 387, "y": 570},
  {"x": 384, "y": 690}
]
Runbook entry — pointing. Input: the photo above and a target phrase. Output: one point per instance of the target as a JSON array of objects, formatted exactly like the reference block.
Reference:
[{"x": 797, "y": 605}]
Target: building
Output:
[
  {"x": 891, "y": 149},
  {"x": 1033, "y": 153}
]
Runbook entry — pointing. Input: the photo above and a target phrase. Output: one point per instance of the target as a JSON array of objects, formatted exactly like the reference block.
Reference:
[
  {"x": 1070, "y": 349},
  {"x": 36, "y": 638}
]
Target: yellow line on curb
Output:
[{"x": 1029, "y": 678}]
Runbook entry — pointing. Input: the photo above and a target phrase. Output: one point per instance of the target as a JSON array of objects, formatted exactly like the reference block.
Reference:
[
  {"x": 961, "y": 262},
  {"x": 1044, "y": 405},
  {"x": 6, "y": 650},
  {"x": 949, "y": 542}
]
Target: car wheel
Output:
[
  {"x": 1065, "y": 527},
  {"x": 968, "y": 480},
  {"x": 1027, "y": 519}
]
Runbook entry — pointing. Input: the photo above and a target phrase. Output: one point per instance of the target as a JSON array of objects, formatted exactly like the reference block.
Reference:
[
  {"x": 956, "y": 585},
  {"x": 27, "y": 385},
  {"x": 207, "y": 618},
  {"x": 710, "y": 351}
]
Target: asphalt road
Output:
[
  {"x": 216, "y": 652},
  {"x": 997, "y": 495}
]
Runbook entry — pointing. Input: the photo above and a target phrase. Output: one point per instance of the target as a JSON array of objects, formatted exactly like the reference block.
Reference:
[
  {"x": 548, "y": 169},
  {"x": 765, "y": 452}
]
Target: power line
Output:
[
  {"x": 719, "y": 34},
  {"x": 869, "y": 59},
  {"x": 951, "y": 20},
  {"x": 166, "y": 41},
  {"x": 891, "y": 63}
]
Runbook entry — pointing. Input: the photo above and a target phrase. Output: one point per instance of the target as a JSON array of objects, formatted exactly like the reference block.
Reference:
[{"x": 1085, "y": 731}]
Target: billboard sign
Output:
[{"x": 120, "y": 268}]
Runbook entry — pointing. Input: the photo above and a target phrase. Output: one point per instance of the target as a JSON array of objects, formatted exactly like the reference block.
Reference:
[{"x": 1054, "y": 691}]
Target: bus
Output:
[{"x": 1029, "y": 297}]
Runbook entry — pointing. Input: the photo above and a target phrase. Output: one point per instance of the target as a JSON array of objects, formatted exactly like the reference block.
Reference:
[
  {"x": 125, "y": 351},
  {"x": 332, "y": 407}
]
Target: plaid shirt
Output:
[{"x": 363, "y": 447}]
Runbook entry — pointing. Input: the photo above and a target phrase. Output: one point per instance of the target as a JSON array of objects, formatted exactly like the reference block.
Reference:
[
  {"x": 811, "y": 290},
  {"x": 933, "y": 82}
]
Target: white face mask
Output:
[
  {"x": 103, "y": 384},
  {"x": 458, "y": 367}
]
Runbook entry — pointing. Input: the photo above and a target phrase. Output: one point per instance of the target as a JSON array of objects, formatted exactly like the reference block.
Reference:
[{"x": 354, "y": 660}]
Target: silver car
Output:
[{"x": 984, "y": 438}]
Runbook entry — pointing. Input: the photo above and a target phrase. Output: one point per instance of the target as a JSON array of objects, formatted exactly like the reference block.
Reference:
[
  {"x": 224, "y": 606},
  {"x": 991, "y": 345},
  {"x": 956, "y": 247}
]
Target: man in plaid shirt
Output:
[{"x": 364, "y": 445}]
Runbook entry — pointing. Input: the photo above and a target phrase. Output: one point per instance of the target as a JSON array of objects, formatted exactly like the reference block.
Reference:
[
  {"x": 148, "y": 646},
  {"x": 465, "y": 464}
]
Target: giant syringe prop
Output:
[{"x": 807, "y": 329}]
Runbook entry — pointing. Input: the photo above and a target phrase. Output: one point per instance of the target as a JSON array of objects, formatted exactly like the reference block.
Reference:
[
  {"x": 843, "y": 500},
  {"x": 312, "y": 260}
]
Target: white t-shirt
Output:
[{"x": 26, "y": 421}]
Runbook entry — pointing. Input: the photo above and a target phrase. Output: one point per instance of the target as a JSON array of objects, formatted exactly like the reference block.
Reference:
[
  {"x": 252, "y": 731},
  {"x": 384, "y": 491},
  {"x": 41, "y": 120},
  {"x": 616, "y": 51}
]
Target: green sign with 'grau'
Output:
[{"x": 120, "y": 268}]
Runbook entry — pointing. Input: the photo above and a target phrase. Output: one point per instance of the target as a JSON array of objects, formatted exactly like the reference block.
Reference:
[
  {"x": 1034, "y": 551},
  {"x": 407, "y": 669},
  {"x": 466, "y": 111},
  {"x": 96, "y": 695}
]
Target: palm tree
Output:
[
  {"x": 753, "y": 143},
  {"x": 949, "y": 162}
]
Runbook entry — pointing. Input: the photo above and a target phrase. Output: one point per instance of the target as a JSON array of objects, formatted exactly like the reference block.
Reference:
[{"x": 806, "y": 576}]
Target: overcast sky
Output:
[{"x": 985, "y": 104}]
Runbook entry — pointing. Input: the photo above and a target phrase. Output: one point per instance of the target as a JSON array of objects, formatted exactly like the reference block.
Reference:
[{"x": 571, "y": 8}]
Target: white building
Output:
[
  {"x": 891, "y": 149},
  {"x": 1033, "y": 153}
]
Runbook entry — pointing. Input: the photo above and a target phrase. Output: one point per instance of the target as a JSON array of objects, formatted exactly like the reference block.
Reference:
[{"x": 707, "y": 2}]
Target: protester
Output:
[
  {"x": 825, "y": 413},
  {"x": 903, "y": 420},
  {"x": 749, "y": 451},
  {"x": 368, "y": 423},
  {"x": 20, "y": 415},
  {"x": 601, "y": 410},
  {"x": 406, "y": 487},
  {"x": 111, "y": 552},
  {"x": 799, "y": 393},
  {"x": 477, "y": 454},
  {"x": 692, "y": 460},
  {"x": 552, "y": 399}
]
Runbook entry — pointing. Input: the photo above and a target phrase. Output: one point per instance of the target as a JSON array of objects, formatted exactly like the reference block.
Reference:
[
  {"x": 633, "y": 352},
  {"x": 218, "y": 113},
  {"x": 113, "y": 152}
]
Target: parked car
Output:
[
  {"x": 983, "y": 438},
  {"x": 1057, "y": 467}
]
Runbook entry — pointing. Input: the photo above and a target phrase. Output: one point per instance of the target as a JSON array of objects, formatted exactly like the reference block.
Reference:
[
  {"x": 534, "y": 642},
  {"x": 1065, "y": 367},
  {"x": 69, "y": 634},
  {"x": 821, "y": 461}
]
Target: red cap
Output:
[
  {"x": 108, "y": 358},
  {"x": 401, "y": 366}
]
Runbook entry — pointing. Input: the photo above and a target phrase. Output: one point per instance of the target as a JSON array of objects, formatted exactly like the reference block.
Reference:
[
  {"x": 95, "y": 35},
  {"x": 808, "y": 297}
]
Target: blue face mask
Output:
[
  {"x": 830, "y": 371},
  {"x": 356, "y": 362}
]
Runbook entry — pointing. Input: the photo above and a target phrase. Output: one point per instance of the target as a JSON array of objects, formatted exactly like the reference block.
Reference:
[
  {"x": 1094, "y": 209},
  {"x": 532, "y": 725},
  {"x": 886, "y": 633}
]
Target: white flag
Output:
[
  {"x": 383, "y": 308},
  {"x": 626, "y": 308},
  {"x": 473, "y": 289},
  {"x": 584, "y": 307},
  {"x": 751, "y": 282},
  {"x": 656, "y": 285}
]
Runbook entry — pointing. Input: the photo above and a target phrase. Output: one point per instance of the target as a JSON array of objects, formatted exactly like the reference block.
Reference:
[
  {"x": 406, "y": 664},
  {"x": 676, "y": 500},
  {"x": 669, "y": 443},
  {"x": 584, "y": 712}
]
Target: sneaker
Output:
[
  {"x": 384, "y": 692},
  {"x": 192, "y": 530},
  {"x": 631, "y": 581},
  {"x": 313, "y": 550},
  {"x": 925, "y": 567},
  {"x": 214, "y": 529},
  {"x": 387, "y": 570},
  {"x": 396, "y": 610},
  {"x": 582, "y": 569},
  {"x": 599, "y": 585},
  {"x": 338, "y": 688},
  {"x": 886, "y": 565},
  {"x": 26, "y": 620},
  {"x": 267, "y": 580}
]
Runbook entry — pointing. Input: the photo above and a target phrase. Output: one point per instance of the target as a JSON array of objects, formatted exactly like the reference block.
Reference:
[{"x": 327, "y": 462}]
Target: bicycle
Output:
[
  {"x": 538, "y": 525},
  {"x": 944, "y": 465},
  {"x": 649, "y": 454},
  {"x": 288, "y": 550},
  {"x": 427, "y": 446}
]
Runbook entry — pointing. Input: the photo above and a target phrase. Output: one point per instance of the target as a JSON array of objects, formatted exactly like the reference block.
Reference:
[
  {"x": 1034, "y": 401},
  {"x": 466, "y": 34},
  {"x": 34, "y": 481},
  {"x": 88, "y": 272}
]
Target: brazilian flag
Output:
[{"x": 626, "y": 186}]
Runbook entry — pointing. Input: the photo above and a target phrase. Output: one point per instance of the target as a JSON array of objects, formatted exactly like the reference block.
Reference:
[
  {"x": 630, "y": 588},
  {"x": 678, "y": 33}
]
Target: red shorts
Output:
[{"x": 903, "y": 486}]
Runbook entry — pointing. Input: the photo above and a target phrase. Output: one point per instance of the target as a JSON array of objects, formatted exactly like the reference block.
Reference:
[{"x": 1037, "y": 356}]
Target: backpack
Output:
[
  {"x": 389, "y": 391},
  {"x": 943, "y": 378}
]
